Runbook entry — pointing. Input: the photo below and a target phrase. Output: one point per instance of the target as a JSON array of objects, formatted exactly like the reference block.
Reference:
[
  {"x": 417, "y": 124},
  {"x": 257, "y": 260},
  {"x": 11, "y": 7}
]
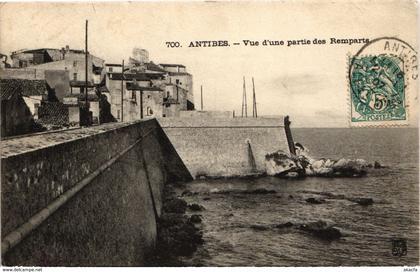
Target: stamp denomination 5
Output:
[{"x": 380, "y": 74}]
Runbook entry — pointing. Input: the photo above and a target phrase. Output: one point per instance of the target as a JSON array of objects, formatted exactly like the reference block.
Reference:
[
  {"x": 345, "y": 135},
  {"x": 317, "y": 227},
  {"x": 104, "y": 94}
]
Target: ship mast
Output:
[
  {"x": 244, "y": 105},
  {"x": 254, "y": 101}
]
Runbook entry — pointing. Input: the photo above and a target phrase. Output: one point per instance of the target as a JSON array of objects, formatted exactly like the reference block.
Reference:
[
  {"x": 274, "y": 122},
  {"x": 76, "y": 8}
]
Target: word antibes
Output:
[{"x": 220, "y": 43}]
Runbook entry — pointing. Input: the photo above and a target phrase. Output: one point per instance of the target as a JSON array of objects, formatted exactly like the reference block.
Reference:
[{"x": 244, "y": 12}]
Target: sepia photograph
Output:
[{"x": 209, "y": 134}]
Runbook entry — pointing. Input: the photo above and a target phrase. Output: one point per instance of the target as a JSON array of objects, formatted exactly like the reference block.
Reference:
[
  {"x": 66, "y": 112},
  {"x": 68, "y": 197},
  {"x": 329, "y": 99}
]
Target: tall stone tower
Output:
[{"x": 141, "y": 55}]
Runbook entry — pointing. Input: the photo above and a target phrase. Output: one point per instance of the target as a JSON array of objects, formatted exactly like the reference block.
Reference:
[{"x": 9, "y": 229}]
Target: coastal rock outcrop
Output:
[
  {"x": 196, "y": 207},
  {"x": 350, "y": 168},
  {"x": 313, "y": 200},
  {"x": 362, "y": 201},
  {"x": 177, "y": 233},
  {"x": 283, "y": 164},
  {"x": 321, "y": 230}
]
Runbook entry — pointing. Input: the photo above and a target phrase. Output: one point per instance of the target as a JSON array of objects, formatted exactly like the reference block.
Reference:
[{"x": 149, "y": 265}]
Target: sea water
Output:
[{"x": 232, "y": 211}]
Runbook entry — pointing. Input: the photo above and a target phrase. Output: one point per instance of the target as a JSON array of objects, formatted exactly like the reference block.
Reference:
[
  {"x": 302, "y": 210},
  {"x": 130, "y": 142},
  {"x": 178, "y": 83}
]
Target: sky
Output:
[{"x": 307, "y": 82}]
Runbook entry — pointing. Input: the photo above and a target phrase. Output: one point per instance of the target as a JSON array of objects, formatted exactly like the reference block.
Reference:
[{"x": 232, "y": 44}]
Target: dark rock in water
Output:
[
  {"x": 188, "y": 193},
  {"x": 259, "y": 227},
  {"x": 195, "y": 218},
  {"x": 261, "y": 191},
  {"x": 329, "y": 233},
  {"x": 377, "y": 165},
  {"x": 284, "y": 225},
  {"x": 222, "y": 192},
  {"x": 321, "y": 230},
  {"x": 176, "y": 233},
  {"x": 174, "y": 205},
  {"x": 313, "y": 225},
  {"x": 290, "y": 196},
  {"x": 350, "y": 168},
  {"x": 171, "y": 219},
  {"x": 195, "y": 207},
  {"x": 313, "y": 200},
  {"x": 181, "y": 238},
  {"x": 258, "y": 191},
  {"x": 206, "y": 198},
  {"x": 363, "y": 201}
]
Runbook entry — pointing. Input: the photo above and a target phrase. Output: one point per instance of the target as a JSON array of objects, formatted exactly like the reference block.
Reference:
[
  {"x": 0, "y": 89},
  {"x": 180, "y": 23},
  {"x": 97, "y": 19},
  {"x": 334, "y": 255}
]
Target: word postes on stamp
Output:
[
  {"x": 379, "y": 80},
  {"x": 378, "y": 93}
]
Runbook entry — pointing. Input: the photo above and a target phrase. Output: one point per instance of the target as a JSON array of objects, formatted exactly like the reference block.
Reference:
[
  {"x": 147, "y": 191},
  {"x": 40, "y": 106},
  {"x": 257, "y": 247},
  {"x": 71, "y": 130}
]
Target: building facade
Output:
[
  {"x": 60, "y": 67},
  {"x": 16, "y": 116},
  {"x": 141, "y": 94},
  {"x": 148, "y": 90},
  {"x": 178, "y": 75}
]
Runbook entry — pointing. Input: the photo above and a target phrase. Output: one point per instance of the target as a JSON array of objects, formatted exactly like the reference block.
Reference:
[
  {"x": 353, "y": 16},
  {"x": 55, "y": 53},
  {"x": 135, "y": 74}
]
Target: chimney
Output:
[{"x": 67, "y": 48}]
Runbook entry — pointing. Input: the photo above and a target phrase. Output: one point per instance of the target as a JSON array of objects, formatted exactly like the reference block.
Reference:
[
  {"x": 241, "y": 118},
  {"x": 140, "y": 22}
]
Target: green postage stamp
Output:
[
  {"x": 379, "y": 76},
  {"x": 377, "y": 89}
]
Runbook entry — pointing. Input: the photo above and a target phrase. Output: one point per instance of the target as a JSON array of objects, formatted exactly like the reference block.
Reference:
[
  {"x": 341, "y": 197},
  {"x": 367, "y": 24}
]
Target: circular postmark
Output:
[{"x": 379, "y": 75}]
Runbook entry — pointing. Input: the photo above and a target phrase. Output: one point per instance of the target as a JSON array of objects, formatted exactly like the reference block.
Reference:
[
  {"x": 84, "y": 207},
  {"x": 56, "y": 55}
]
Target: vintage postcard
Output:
[{"x": 209, "y": 133}]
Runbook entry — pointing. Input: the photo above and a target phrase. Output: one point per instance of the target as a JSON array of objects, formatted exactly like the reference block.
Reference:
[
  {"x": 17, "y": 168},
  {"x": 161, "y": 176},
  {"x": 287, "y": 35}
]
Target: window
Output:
[
  {"x": 149, "y": 111},
  {"x": 133, "y": 95},
  {"x": 118, "y": 114},
  {"x": 36, "y": 107},
  {"x": 177, "y": 81},
  {"x": 110, "y": 69},
  {"x": 74, "y": 76},
  {"x": 167, "y": 94},
  {"x": 75, "y": 63}
]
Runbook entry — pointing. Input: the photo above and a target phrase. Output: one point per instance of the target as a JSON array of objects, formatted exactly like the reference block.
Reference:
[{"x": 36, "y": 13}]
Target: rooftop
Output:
[
  {"x": 80, "y": 83},
  {"x": 136, "y": 87},
  {"x": 82, "y": 96},
  {"x": 171, "y": 65},
  {"x": 42, "y": 50},
  {"x": 154, "y": 67},
  {"x": 26, "y": 87},
  {"x": 179, "y": 74},
  {"x": 113, "y": 64},
  {"x": 136, "y": 76},
  {"x": 53, "y": 114}
]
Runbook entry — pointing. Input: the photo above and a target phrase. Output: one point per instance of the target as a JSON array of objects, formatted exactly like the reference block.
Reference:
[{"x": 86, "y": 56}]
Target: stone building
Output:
[
  {"x": 16, "y": 115},
  {"x": 62, "y": 68},
  {"x": 3, "y": 61},
  {"x": 178, "y": 75},
  {"x": 148, "y": 91},
  {"x": 174, "y": 100},
  {"x": 16, "y": 118},
  {"x": 140, "y": 55},
  {"x": 33, "y": 92},
  {"x": 142, "y": 94}
]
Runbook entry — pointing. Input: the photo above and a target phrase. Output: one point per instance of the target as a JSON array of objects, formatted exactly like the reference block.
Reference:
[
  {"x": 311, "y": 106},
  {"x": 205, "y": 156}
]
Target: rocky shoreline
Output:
[
  {"x": 283, "y": 164},
  {"x": 178, "y": 235}
]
